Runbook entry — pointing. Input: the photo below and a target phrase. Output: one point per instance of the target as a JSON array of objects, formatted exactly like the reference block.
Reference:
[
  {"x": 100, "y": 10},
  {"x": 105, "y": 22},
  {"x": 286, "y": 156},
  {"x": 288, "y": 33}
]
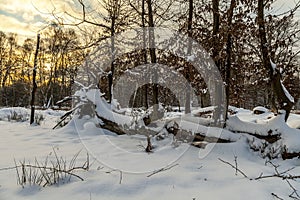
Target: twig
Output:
[
  {"x": 290, "y": 169},
  {"x": 149, "y": 147},
  {"x": 234, "y": 167},
  {"x": 52, "y": 169},
  {"x": 284, "y": 177},
  {"x": 162, "y": 169},
  {"x": 9, "y": 168},
  {"x": 67, "y": 114},
  {"x": 18, "y": 175},
  {"x": 294, "y": 191},
  {"x": 47, "y": 173},
  {"x": 278, "y": 174},
  {"x": 276, "y": 196},
  {"x": 121, "y": 177}
]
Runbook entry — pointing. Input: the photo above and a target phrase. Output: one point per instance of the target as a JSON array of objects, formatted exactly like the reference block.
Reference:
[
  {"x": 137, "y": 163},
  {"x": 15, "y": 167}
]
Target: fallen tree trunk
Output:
[
  {"x": 179, "y": 134},
  {"x": 118, "y": 129},
  {"x": 188, "y": 136},
  {"x": 199, "y": 140},
  {"x": 269, "y": 138},
  {"x": 288, "y": 155},
  {"x": 110, "y": 125}
]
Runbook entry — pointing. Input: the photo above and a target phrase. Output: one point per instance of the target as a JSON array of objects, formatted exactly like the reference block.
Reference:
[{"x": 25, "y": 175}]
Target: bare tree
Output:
[
  {"x": 190, "y": 35},
  {"x": 218, "y": 118},
  {"x": 279, "y": 92},
  {"x": 153, "y": 59},
  {"x": 34, "y": 85},
  {"x": 113, "y": 17},
  {"x": 228, "y": 54}
]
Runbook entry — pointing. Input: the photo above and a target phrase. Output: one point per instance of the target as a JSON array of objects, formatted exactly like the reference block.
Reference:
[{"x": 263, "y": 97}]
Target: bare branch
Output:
[
  {"x": 291, "y": 11},
  {"x": 276, "y": 196},
  {"x": 279, "y": 174},
  {"x": 81, "y": 20},
  {"x": 162, "y": 169},
  {"x": 121, "y": 177},
  {"x": 234, "y": 167}
]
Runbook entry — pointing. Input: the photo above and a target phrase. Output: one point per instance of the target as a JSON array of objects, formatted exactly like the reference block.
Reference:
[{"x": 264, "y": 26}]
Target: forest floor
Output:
[{"x": 119, "y": 168}]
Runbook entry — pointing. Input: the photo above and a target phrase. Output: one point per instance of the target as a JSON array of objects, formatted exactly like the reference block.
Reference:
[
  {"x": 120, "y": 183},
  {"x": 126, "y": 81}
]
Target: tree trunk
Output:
[
  {"x": 145, "y": 87},
  {"x": 190, "y": 35},
  {"x": 284, "y": 101},
  {"x": 112, "y": 65},
  {"x": 217, "y": 115},
  {"x": 153, "y": 60},
  {"x": 34, "y": 85},
  {"x": 228, "y": 55}
]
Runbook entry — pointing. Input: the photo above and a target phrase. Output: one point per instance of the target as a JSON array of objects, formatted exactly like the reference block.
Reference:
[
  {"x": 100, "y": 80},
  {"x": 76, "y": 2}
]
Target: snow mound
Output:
[
  {"x": 14, "y": 113},
  {"x": 102, "y": 108},
  {"x": 288, "y": 138},
  {"x": 260, "y": 110}
]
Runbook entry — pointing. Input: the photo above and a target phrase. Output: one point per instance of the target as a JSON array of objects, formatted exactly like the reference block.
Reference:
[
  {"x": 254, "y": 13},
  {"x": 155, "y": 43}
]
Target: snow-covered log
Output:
[
  {"x": 273, "y": 137},
  {"x": 121, "y": 130},
  {"x": 192, "y": 132}
]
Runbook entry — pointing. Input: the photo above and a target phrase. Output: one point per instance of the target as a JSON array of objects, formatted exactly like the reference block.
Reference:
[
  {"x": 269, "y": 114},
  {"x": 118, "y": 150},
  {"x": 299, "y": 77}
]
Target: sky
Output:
[{"x": 27, "y": 17}]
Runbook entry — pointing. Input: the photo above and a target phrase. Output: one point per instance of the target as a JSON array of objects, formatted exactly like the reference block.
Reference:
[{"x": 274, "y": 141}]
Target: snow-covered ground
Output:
[{"x": 121, "y": 169}]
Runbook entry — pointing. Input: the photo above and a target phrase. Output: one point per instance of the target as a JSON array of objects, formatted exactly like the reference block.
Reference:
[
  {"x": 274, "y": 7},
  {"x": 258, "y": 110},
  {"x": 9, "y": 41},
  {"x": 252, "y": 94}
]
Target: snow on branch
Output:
[
  {"x": 287, "y": 94},
  {"x": 273, "y": 66}
]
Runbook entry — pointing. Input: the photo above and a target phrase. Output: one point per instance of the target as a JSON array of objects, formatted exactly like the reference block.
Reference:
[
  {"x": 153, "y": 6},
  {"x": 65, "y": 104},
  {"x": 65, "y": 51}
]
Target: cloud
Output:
[
  {"x": 10, "y": 24},
  {"x": 26, "y": 17}
]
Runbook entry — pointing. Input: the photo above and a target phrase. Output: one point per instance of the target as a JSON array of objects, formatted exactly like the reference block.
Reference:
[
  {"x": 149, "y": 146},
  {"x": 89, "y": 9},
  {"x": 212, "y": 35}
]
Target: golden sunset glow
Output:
[{"x": 27, "y": 17}]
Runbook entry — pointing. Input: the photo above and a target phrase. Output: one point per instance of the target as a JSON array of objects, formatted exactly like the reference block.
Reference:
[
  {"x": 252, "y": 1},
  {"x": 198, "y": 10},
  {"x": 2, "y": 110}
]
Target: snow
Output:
[
  {"x": 120, "y": 167},
  {"x": 201, "y": 125},
  {"x": 261, "y": 109},
  {"x": 287, "y": 94},
  {"x": 191, "y": 58},
  {"x": 294, "y": 121},
  {"x": 102, "y": 107},
  {"x": 206, "y": 109},
  {"x": 268, "y": 125},
  {"x": 235, "y": 124},
  {"x": 273, "y": 65}
]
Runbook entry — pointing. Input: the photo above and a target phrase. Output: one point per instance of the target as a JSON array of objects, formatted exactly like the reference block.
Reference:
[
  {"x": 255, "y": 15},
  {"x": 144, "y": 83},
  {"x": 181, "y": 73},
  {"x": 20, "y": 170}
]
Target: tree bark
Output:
[
  {"x": 180, "y": 134},
  {"x": 145, "y": 87},
  {"x": 34, "y": 85},
  {"x": 228, "y": 54},
  {"x": 217, "y": 115},
  {"x": 112, "y": 64},
  {"x": 153, "y": 60},
  {"x": 190, "y": 35}
]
